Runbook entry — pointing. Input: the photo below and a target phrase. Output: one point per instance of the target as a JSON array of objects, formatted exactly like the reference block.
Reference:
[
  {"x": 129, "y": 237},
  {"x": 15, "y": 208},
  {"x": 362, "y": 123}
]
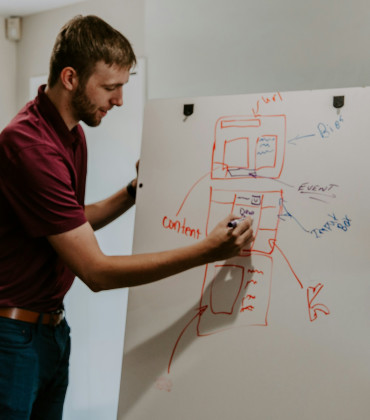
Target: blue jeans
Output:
[{"x": 34, "y": 361}]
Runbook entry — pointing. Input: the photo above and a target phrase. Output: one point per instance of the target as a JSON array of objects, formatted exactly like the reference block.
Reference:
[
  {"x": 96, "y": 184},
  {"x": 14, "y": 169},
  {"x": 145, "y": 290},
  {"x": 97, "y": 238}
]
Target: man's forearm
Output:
[
  {"x": 135, "y": 270},
  {"x": 80, "y": 250},
  {"x": 103, "y": 212}
]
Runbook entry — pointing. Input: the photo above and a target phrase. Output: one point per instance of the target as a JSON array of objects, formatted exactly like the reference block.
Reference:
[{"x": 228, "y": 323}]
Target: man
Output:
[{"x": 47, "y": 233}]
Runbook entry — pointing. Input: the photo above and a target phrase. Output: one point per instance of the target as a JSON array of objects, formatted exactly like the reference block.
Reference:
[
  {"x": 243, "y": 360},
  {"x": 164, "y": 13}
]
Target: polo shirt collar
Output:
[{"x": 50, "y": 112}]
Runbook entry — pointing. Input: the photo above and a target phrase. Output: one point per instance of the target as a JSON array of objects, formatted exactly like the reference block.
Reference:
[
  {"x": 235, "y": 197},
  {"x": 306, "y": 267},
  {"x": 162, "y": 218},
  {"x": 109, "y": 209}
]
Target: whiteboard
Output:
[{"x": 281, "y": 331}]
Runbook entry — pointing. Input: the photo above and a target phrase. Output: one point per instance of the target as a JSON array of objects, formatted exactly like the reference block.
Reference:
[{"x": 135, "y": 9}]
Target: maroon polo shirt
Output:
[{"x": 42, "y": 189}]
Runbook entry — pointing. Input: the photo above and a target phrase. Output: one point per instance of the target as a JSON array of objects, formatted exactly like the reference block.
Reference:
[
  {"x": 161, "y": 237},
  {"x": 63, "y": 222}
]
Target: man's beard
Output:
[{"x": 83, "y": 109}]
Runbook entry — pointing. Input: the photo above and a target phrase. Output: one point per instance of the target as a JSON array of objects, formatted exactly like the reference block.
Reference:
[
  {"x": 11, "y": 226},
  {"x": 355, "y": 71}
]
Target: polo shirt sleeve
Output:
[{"x": 40, "y": 185}]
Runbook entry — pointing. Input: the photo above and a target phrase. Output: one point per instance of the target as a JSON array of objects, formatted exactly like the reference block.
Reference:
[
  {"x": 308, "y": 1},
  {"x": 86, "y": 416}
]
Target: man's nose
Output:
[{"x": 117, "y": 99}]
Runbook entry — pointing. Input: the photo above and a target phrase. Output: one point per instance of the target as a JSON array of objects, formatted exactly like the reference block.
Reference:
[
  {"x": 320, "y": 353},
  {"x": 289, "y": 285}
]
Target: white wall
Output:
[
  {"x": 40, "y": 30},
  {"x": 8, "y": 71},
  {"x": 212, "y": 47}
]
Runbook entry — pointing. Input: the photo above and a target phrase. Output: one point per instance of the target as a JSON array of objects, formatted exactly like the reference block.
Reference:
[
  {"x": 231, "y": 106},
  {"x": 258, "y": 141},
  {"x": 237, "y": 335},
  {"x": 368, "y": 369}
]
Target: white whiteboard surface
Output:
[{"x": 281, "y": 332}]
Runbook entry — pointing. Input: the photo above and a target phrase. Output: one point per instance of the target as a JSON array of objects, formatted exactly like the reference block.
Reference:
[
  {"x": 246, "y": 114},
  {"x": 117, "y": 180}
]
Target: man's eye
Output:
[{"x": 109, "y": 89}]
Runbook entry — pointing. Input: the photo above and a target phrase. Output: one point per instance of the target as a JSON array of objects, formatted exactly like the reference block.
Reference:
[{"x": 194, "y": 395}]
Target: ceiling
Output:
[{"x": 28, "y": 7}]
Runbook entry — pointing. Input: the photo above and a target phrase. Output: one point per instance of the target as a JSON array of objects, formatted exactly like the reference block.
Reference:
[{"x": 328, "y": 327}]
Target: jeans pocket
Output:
[
  {"x": 19, "y": 366},
  {"x": 15, "y": 333}
]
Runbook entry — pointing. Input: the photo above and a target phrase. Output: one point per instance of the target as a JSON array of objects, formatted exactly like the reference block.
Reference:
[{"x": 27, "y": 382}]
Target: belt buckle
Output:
[{"x": 56, "y": 317}]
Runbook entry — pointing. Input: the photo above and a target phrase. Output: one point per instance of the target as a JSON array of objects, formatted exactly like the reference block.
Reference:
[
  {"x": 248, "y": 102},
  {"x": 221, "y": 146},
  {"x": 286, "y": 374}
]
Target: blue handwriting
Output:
[
  {"x": 326, "y": 130},
  {"x": 332, "y": 224}
]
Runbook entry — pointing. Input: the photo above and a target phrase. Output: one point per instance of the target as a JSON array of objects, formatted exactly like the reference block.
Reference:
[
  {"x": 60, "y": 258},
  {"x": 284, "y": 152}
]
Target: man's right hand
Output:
[{"x": 225, "y": 242}]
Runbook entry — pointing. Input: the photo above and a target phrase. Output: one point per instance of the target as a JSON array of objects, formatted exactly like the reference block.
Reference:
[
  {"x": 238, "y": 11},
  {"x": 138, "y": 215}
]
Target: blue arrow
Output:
[{"x": 292, "y": 141}]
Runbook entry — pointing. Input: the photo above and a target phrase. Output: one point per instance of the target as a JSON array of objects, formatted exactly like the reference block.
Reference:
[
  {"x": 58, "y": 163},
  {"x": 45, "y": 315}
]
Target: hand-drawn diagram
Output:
[
  {"x": 249, "y": 147},
  {"x": 252, "y": 291},
  {"x": 237, "y": 292},
  {"x": 245, "y": 147},
  {"x": 283, "y": 322}
]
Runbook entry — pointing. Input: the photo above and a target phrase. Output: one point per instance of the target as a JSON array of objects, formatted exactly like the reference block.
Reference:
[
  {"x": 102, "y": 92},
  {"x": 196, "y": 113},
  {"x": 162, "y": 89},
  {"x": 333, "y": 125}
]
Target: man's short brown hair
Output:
[{"x": 83, "y": 42}]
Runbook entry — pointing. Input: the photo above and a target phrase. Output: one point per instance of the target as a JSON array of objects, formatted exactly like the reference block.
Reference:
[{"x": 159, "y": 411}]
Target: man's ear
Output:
[{"x": 69, "y": 79}]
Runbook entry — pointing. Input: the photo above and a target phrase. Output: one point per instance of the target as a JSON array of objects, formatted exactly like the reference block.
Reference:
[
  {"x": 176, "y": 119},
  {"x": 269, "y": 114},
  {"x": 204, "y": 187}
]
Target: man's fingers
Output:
[{"x": 242, "y": 225}]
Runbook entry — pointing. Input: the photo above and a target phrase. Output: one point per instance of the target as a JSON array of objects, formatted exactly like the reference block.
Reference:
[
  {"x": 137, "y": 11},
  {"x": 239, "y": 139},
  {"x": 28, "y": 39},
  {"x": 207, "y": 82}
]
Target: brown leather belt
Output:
[{"x": 50, "y": 318}]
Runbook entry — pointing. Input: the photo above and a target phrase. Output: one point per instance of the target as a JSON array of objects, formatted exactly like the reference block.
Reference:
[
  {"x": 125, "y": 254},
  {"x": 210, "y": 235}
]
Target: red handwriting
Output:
[
  {"x": 180, "y": 227},
  {"x": 249, "y": 146},
  {"x": 312, "y": 293},
  {"x": 247, "y": 308},
  {"x": 251, "y": 281},
  {"x": 265, "y": 100},
  {"x": 255, "y": 271}
]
